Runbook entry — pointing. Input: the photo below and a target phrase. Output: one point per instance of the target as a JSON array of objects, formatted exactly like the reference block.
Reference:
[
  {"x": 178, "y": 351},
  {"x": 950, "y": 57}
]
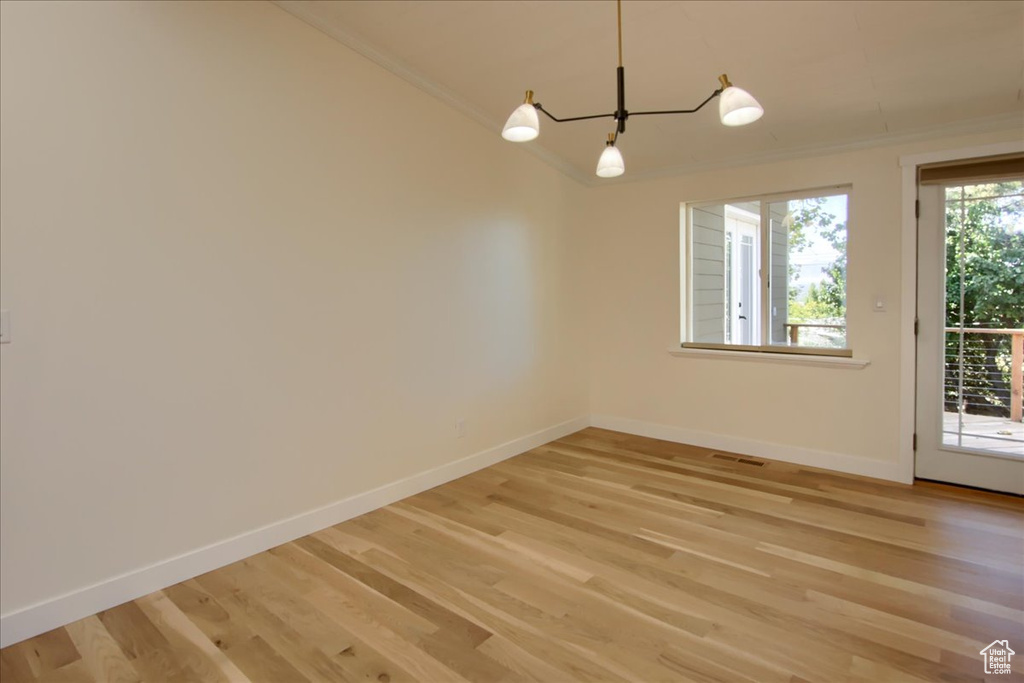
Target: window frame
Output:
[{"x": 764, "y": 283}]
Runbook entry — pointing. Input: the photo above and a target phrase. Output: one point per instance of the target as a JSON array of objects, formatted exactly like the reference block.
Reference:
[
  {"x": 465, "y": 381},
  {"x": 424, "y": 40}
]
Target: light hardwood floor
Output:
[{"x": 600, "y": 556}]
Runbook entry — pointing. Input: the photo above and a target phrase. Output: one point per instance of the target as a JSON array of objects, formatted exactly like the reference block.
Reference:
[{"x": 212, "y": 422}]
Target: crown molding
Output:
[
  {"x": 1011, "y": 121},
  {"x": 411, "y": 76},
  {"x": 988, "y": 124}
]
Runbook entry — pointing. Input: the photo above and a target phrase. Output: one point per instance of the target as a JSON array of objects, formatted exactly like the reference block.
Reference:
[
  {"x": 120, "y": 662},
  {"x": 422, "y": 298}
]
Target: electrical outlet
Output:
[
  {"x": 460, "y": 427},
  {"x": 5, "y": 327}
]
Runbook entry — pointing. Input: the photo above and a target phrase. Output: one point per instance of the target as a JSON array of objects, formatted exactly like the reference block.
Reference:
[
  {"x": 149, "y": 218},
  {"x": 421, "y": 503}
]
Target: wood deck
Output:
[
  {"x": 984, "y": 433},
  {"x": 598, "y": 557}
]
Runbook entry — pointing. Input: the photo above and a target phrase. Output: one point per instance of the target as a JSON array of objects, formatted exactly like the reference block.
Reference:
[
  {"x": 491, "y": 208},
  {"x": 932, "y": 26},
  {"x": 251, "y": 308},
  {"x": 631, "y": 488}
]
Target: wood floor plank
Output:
[
  {"x": 150, "y": 652},
  {"x": 102, "y": 656},
  {"x": 506, "y": 625},
  {"x": 206, "y": 612},
  {"x": 197, "y": 652},
  {"x": 598, "y": 557},
  {"x": 262, "y": 663},
  {"x": 15, "y": 666},
  {"x": 284, "y": 640},
  {"x": 74, "y": 672}
]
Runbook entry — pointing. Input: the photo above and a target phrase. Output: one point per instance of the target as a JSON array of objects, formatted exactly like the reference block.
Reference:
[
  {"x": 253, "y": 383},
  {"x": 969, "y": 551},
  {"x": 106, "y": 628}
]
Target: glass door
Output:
[{"x": 971, "y": 339}]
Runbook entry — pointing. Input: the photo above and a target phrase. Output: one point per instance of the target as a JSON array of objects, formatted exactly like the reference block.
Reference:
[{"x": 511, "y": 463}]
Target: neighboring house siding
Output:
[
  {"x": 708, "y": 230},
  {"x": 779, "y": 283}
]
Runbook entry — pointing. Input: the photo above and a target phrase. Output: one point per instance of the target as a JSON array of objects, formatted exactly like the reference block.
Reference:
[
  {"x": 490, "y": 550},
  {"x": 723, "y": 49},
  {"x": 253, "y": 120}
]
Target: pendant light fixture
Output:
[
  {"x": 524, "y": 124},
  {"x": 736, "y": 107},
  {"x": 610, "y": 164}
]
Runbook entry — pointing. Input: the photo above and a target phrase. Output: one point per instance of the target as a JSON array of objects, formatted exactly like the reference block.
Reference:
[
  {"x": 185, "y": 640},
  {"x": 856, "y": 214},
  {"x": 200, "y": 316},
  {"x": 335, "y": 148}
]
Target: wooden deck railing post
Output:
[
  {"x": 1016, "y": 378},
  {"x": 794, "y": 330}
]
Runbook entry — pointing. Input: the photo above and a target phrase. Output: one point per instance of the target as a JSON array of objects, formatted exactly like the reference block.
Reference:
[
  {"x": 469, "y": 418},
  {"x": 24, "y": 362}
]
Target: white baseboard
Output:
[
  {"x": 41, "y": 617},
  {"x": 849, "y": 464},
  {"x": 44, "y": 616}
]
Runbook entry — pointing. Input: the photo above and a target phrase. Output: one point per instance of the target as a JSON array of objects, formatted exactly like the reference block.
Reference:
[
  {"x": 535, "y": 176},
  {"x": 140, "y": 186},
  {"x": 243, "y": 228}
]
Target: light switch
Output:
[
  {"x": 5, "y": 327},
  {"x": 879, "y": 305}
]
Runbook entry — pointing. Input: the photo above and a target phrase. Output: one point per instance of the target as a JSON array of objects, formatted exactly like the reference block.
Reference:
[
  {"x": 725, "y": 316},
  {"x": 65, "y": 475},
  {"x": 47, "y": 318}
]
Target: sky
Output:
[{"x": 815, "y": 257}]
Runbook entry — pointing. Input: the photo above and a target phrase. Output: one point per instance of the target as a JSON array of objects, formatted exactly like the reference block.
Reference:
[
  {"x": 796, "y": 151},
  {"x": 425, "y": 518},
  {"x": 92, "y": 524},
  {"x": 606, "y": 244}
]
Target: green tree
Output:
[
  {"x": 984, "y": 259},
  {"x": 833, "y": 288},
  {"x": 810, "y": 216}
]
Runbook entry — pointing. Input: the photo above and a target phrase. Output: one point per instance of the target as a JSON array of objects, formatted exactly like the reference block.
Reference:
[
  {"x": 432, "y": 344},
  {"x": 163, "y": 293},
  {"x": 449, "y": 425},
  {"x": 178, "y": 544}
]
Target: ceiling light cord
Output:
[
  {"x": 619, "y": 7},
  {"x": 620, "y": 77}
]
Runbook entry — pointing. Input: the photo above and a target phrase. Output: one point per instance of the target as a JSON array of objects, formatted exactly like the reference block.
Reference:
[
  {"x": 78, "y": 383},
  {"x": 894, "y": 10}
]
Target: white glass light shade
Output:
[
  {"x": 610, "y": 164},
  {"x": 737, "y": 107},
  {"x": 523, "y": 125}
]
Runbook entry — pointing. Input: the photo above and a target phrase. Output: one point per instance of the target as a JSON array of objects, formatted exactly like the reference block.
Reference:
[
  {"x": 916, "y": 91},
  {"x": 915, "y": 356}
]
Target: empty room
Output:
[{"x": 511, "y": 340}]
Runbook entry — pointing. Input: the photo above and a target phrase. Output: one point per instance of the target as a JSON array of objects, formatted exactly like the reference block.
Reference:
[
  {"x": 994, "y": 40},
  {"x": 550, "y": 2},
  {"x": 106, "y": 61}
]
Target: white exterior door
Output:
[
  {"x": 957, "y": 442},
  {"x": 744, "y": 298}
]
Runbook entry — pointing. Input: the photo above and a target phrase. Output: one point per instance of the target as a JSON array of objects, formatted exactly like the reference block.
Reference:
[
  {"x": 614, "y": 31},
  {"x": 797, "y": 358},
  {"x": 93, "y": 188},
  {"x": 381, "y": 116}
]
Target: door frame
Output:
[{"x": 908, "y": 286}]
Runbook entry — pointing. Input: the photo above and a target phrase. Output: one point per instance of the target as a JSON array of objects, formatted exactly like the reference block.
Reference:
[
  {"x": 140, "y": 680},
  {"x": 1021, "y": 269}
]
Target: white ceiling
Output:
[{"x": 829, "y": 74}]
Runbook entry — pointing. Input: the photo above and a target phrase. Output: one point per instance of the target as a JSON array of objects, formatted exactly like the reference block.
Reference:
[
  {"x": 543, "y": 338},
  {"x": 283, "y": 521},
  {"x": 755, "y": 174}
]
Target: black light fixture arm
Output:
[
  {"x": 621, "y": 114},
  {"x": 551, "y": 116},
  {"x": 680, "y": 111}
]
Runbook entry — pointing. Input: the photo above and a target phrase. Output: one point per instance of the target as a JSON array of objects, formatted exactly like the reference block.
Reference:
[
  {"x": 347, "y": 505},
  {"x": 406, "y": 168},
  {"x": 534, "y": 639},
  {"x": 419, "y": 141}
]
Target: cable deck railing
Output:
[{"x": 982, "y": 378}]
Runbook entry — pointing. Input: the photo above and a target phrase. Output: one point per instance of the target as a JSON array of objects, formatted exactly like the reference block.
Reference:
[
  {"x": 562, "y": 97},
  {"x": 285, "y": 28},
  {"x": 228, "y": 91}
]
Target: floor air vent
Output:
[{"x": 733, "y": 458}]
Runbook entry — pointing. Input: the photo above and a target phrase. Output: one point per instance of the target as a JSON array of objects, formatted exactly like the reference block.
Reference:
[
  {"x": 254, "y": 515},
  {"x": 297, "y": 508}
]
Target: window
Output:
[{"x": 767, "y": 273}]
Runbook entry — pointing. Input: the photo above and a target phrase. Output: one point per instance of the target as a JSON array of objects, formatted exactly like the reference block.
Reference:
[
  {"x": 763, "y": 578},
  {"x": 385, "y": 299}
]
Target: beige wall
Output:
[
  {"x": 632, "y": 256},
  {"x": 250, "y": 274}
]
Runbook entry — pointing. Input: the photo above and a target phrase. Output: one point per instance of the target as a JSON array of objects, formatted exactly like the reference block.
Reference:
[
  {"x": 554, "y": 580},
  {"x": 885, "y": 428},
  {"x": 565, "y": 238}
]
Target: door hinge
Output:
[
  {"x": 917, "y": 208},
  {"x": 917, "y": 326},
  {"x": 915, "y": 441}
]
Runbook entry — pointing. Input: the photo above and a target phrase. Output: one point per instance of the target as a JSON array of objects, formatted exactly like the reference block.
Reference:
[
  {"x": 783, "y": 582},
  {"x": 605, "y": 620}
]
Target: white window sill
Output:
[{"x": 766, "y": 357}]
